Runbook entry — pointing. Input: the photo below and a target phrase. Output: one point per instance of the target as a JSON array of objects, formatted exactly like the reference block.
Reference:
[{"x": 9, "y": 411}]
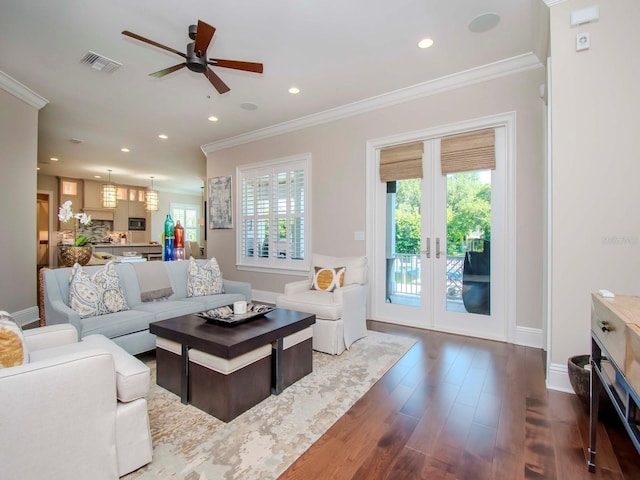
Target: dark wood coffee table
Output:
[{"x": 228, "y": 342}]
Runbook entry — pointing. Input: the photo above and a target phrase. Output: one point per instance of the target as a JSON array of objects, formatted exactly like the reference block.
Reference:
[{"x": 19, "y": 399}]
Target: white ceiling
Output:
[{"x": 336, "y": 52}]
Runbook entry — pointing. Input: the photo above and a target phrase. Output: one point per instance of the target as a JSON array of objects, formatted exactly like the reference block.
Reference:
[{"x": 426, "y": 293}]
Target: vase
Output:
[{"x": 68, "y": 255}]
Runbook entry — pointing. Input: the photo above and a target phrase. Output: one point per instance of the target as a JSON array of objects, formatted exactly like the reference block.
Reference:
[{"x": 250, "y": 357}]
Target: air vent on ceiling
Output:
[{"x": 100, "y": 62}]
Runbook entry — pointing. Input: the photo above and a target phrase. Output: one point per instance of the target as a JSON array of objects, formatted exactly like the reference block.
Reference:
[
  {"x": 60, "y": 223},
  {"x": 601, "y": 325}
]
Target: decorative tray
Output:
[{"x": 225, "y": 316}]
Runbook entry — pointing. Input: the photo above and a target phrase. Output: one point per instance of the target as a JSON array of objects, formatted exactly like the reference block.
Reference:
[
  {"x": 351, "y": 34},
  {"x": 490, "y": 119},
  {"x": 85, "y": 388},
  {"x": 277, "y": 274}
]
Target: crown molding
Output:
[
  {"x": 18, "y": 90},
  {"x": 465, "y": 78}
]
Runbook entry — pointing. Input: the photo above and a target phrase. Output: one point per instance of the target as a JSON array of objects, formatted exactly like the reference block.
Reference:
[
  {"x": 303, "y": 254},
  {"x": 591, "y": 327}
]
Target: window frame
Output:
[
  {"x": 273, "y": 264},
  {"x": 183, "y": 222}
]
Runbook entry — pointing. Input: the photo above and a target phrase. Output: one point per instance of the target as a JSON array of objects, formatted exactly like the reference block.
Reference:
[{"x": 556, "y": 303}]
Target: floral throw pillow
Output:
[
  {"x": 13, "y": 349},
  {"x": 204, "y": 280},
  {"x": 97, "y": 295},
  {"x": 328, "y": 279}
]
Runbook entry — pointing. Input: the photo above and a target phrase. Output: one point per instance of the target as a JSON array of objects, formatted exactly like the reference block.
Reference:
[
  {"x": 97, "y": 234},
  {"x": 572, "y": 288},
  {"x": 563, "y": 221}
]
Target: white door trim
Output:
[{"x": 508, "y": 121}]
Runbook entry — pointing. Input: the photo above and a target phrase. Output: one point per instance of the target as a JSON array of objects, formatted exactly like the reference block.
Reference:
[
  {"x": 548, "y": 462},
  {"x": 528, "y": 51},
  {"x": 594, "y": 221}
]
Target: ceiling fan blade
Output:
[
  {"x": 162, "y": 73},
  {"x": 204, "y": 34},
  {"x": 216, "y": 81},
  {"x": 247, "y": 66},
  {"x": 151, "y": 42}
]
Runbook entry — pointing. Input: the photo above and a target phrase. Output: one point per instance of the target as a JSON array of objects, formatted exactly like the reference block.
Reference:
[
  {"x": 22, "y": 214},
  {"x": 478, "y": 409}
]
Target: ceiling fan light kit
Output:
[{"x": 196, "y": 56}]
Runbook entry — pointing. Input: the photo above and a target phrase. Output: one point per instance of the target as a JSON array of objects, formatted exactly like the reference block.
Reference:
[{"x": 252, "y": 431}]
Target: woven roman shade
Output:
[
  {"x": 468, "y": 151},
  {"x": 401, "y": 162}
]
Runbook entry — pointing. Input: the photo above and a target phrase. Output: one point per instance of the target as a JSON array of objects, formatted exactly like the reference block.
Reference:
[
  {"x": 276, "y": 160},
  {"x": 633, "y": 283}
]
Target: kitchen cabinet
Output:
[
  {"x": 92, "y": 195},
  {"x": 70, "y": 189},
  {"x": 121, "y": 216},
  {"x": 136, "y": 209}
]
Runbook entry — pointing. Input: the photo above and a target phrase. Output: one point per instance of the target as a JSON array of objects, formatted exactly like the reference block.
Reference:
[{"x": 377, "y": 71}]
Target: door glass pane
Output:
[
  {"x": 468, "y": 273},
  {"x": 403, "y": 283}
]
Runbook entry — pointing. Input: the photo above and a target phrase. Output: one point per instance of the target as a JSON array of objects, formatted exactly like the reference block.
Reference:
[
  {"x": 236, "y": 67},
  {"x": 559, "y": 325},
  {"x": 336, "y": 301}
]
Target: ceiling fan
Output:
[{"x": 196, "y": 56}]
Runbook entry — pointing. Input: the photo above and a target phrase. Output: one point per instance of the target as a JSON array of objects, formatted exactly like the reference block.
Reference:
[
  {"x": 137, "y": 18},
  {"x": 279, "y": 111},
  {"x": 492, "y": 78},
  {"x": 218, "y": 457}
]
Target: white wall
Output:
[
  {"x": 338, "y": 149},
  {"x": 18, "y": 157},
  {"x": 595, "y": 148}
]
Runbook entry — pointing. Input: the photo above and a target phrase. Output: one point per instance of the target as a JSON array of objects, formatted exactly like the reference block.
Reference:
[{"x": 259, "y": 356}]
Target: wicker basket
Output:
[{"x": 68, "y": 255}]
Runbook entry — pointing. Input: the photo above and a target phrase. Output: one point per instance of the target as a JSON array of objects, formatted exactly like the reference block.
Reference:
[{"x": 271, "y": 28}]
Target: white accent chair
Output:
[
  {"x": 76, "y": 410},
  {"x": 341, "y": 315}
]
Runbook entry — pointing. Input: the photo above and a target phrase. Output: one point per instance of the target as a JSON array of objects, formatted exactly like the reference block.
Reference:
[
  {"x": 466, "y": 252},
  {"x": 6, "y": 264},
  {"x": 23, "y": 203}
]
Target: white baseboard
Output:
[
  {"x": 529, "y": 337},
  {"x": 558, "y": 378},
  {"x": 26, "y": 316}
]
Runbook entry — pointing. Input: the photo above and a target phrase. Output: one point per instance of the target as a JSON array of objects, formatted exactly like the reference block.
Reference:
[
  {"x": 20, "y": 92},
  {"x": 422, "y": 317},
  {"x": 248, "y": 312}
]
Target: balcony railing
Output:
[{"x": 405, "y": 276}]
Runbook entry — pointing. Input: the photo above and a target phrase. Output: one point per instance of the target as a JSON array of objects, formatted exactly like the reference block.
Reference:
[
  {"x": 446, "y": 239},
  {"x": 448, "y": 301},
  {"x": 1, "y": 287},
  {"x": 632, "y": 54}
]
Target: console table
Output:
[{"x": 615, "y": 363}]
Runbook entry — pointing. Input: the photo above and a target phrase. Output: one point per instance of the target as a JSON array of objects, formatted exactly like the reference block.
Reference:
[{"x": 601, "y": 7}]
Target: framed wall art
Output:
[{"x": 219, "y": 204}]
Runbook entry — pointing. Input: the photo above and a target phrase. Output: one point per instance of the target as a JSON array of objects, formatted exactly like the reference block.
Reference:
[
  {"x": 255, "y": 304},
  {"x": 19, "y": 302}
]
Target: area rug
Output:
[{"x": 263, "y": 442}]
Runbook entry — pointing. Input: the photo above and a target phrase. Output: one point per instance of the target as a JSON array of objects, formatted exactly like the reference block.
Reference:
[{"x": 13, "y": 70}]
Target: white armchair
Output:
[
  {"x": 75, "y": 410},
  {"x": 341, "y": 315}
]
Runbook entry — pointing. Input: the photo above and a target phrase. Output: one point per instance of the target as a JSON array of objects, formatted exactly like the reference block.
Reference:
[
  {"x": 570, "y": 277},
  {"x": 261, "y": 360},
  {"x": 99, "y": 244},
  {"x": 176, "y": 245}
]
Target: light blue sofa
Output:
[{"x": 130, "y": 328}]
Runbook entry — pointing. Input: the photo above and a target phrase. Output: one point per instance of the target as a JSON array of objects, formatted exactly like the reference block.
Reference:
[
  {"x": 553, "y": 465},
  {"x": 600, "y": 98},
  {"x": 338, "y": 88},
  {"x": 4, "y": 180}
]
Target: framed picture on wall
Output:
[{"x": 219, "y": 204}]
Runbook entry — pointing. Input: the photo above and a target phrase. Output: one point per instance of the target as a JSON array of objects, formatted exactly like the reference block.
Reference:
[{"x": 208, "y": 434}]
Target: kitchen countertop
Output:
[{"x": 126, "y": 245}]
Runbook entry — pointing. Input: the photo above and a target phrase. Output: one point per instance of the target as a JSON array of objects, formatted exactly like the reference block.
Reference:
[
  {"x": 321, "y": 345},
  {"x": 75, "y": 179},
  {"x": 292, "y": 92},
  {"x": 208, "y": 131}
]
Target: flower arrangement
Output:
[{"x": 65, "y": 213}]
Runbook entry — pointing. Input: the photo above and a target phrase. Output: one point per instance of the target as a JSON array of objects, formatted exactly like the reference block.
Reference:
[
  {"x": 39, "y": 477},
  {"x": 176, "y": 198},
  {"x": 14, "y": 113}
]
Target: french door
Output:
[{"x": 439, "y": 247}]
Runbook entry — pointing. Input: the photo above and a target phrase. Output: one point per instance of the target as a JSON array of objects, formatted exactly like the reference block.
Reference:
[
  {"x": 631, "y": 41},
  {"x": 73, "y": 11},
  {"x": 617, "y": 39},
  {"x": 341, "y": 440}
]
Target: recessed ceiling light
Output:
[
  {"x": 162, "y": 136},
  {"x": 294, "y": 90},
  {"x": 125, "y": 150},
  {"x": 213, "y": 119},
  {"x": 484, "y": 22},
  {"x": 53, "y": 159},
  {"x": 425, "y": 43},
  {"x": 248, "y": 106},
  {"x": 97, "y": 176}
]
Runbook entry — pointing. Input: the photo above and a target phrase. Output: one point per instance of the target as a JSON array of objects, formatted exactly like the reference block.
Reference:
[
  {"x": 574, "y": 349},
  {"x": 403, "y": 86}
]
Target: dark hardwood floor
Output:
[{"x": 463, "y": 408}]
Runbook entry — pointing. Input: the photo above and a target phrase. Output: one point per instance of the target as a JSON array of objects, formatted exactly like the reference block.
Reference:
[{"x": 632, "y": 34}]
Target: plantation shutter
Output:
[
  {"x": 468, "y": 151},
  {"x": 401, "y": 162},
  {"x": 273, "y": 214}
]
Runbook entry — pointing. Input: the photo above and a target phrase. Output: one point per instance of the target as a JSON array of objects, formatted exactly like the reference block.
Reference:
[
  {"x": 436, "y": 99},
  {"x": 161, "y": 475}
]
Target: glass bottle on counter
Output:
[
  {"x": 178, "y": 241},
  {"x": 178, "y": 235},
  {"x": 168, "y": 251},
  {"x": 168, "y": 226}
]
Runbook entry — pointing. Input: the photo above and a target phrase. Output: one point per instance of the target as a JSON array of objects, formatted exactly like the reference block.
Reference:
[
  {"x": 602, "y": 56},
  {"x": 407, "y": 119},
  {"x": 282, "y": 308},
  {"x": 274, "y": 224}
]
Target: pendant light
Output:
[
  {"x": 152, "y": 199},
  {"x": 109, "y": 194}
]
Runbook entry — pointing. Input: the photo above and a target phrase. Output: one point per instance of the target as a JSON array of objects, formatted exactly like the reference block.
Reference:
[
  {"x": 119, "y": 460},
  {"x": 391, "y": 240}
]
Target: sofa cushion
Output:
[
  {"x": 327, "y": 279},
  {"x": 13, "y": 348},
  {"x": 322, "y": 304},
  {"x": 163, "y": 309},
  {"x": 97, "y": 295},
  {"x": 205, "y": 279},
  {"x": 117, "y": 324}
]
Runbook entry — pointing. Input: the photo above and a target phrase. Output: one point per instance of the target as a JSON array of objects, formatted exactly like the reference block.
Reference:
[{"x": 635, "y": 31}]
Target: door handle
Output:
[
  {"x": 437, "y": 247},
  {"x": 427, "y": 252}
]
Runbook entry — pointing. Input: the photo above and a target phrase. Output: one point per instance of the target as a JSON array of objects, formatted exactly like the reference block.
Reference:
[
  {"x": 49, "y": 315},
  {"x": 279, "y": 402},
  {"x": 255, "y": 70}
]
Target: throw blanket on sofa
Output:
[{"x": 153, "y": 280}]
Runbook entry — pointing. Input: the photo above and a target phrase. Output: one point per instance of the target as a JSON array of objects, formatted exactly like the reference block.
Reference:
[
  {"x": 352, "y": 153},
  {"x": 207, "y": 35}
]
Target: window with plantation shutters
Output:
[
  {"x": 467, "y": 152},
  {"x": 273, "y": 213}
]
